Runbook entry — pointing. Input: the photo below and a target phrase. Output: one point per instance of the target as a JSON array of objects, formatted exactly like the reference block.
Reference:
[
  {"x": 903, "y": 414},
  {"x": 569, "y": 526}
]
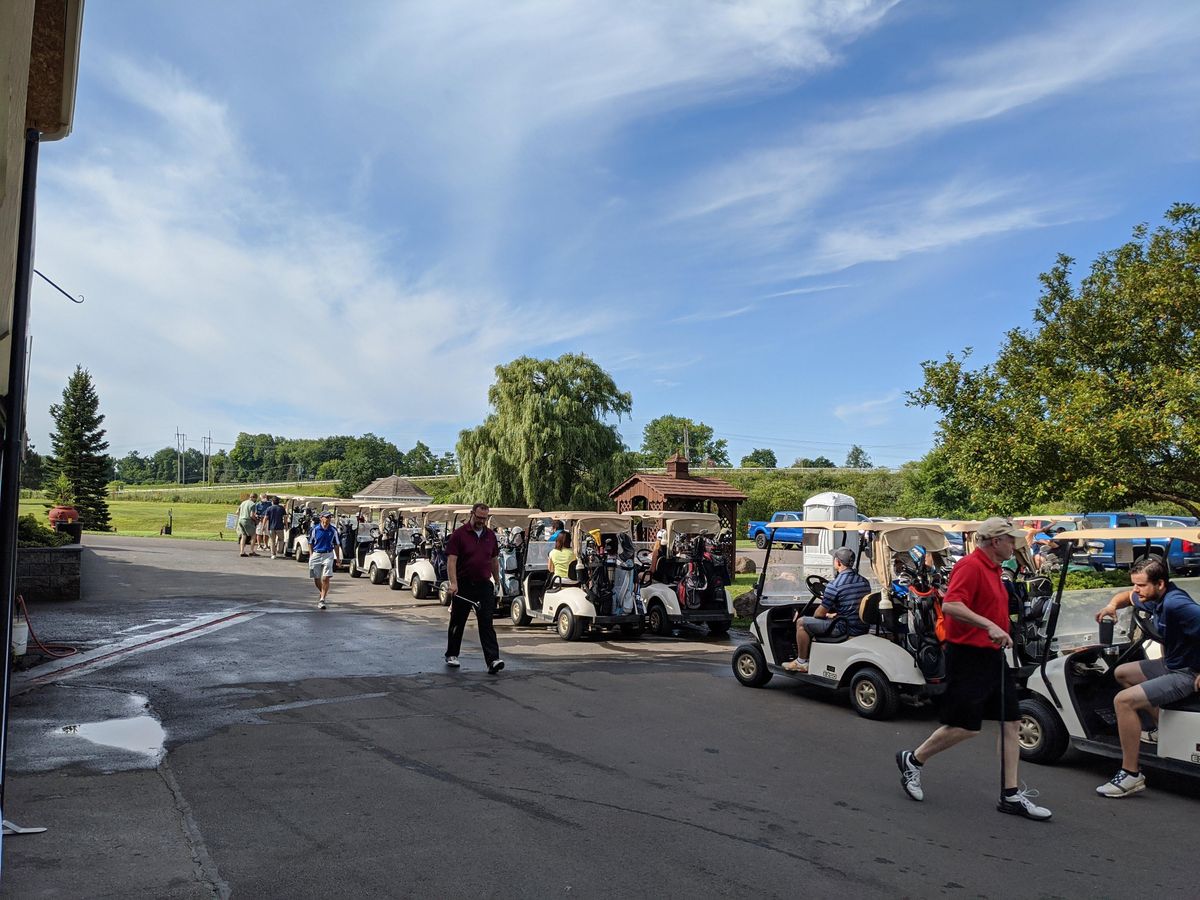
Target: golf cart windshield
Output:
[{"x": 893, "y": 546}]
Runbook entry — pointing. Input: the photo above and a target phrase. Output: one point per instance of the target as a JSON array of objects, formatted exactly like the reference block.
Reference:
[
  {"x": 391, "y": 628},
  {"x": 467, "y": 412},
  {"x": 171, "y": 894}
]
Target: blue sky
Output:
[{"x": 305, "y": 219}]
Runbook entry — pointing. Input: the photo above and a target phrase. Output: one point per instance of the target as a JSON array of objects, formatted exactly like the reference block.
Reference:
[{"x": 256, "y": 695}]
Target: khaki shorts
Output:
[
  {"x": 320, "y": 565},
  {"x": 246, "y": 527}
]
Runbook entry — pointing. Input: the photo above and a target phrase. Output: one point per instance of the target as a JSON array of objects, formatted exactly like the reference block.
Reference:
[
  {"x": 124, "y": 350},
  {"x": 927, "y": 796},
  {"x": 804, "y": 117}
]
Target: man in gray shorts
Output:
[{"x": 1150, "y": 684}]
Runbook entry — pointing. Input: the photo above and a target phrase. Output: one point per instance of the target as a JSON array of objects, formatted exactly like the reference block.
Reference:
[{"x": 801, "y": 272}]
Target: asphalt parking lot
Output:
[{"x": 221, "y": 737}]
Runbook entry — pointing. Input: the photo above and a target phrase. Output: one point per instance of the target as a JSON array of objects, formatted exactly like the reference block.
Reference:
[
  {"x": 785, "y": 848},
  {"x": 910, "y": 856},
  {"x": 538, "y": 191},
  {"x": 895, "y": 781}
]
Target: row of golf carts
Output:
[
  {"x": 621, "y": 581},
  {"x": 1064, "y": 667}
]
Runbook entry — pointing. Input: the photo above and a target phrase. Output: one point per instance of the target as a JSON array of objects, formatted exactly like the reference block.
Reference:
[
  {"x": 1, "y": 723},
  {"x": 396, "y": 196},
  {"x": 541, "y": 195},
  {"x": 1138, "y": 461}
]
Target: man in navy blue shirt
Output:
[
  {"x": 838, "y": 612},
  {"x": 324, "y": 550},
  {"x": 275, "y": 515},
  {"x": 1151, "y": 684}
]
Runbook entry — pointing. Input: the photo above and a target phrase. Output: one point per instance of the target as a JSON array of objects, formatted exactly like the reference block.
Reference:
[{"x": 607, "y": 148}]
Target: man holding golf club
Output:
[
  {"x": 473, "y": 567},
  {"x": 979, "y": 682}
]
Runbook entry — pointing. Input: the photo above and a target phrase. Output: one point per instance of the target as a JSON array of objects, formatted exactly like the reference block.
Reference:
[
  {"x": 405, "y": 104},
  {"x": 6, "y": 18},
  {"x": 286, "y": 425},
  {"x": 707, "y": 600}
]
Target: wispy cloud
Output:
[
  {"x": 815, "y": 289},
  {"x": 714, "y": 315},
  {"x": 869, "y": 413}
]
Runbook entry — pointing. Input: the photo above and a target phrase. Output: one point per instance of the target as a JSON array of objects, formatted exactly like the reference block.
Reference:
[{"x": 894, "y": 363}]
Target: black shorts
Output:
[{"x": 973, "y": 688}]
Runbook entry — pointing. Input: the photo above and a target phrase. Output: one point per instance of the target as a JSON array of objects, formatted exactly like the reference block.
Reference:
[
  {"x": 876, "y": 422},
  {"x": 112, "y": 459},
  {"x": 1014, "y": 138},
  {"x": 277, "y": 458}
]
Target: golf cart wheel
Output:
[
  {"x": 761, "y": 542},
  {"x": 750, "y": 666},
  {"x": 1040, "y": 732},
  {"x": 375, "y": 575},
  {"x": 567, "y": 624},
  {"x": 355, "y": 571},
  {"x": 658, "y": 620},
  {"x": 872, "y": 695},
  {"x": 394, "y": 581},
  {"x": 419, "y": 589},
  {"x": 516, "y": 612},
  {"x": 443, "y": 592},
  {"x": 717, "y": 629}
]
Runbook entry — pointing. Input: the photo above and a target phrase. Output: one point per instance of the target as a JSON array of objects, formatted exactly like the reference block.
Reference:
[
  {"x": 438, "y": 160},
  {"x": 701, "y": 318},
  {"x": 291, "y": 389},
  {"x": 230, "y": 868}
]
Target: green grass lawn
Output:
[
  {"x": 741, "y": 584},
  {"x": 144, "y": 518}
]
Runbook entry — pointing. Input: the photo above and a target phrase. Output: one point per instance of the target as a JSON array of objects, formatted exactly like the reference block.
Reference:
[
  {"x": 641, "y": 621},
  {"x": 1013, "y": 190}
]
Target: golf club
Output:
[{"x": 1003, "y": 723}]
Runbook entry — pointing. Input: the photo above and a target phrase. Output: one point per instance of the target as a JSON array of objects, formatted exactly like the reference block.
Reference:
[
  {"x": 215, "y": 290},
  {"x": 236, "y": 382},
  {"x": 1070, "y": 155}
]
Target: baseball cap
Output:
[
  {"x": 324, "y": 514},
  {"x": 996, "y": 527}
]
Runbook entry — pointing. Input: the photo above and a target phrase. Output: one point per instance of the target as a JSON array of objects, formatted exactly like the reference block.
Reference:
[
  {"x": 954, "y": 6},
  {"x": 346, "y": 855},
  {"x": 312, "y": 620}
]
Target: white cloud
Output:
[
  {"x": 869, "y": 413},
  {"x": 715, "y": 315}
]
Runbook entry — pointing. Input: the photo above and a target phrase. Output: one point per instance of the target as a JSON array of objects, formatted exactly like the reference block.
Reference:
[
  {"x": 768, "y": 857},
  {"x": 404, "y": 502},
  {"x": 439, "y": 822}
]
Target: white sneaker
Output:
[
  {"x": 1122, "y": 785},
  {"x": 1021, "y": 804},
  {"x": 272, "y": 556},
  {"x": 452, "y": 662},
  {"x": 320, "y": 604},
  {"x": 910, "y": 775},
  {"x": 1150, "y": 736}
]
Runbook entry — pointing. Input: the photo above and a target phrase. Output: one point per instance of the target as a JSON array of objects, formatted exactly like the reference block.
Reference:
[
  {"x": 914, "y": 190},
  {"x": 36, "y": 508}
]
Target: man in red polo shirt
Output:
[
  {"x": 976, "y": 611},
  {"x": 473, "y": 567}
]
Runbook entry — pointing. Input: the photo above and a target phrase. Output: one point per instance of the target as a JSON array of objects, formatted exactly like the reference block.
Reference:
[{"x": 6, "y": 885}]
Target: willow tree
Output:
[
  {"x": 548, "y": 442},
  {"x": 1099, "y": 402}
]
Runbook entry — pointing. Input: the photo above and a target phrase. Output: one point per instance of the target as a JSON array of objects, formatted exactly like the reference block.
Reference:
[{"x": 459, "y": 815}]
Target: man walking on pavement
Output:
[
  {"x": 325, "y": 548},
  {"x": 473, "y": 567},
  {"x": 245, "y": 526},
  {"x": 275, "y": 517},
  {"x": 977, "y": 620}
]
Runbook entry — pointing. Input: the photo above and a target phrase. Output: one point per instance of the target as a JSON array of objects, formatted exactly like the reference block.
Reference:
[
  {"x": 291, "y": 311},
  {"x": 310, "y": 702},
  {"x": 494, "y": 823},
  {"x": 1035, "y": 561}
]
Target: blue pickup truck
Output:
[
  {"x": 757, "y": 531},
  {"x": 1103, "y": 554}
]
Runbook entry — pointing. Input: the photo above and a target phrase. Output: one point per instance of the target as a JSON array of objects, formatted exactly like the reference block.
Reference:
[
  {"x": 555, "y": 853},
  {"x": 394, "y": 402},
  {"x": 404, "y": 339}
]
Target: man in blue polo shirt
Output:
[
  {"x": 324, "y": 550},
  {"x": 1150, "y": 684},
  {"x": 838, "y": 612}
]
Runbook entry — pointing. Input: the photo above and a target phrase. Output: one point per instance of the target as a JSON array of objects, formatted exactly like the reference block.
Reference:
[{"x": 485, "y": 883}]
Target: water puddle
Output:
[{"x": 139, "y": 734}]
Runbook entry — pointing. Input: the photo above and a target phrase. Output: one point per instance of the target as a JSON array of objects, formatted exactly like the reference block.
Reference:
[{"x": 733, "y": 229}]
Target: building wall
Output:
[{"x": 16, "y": 29}]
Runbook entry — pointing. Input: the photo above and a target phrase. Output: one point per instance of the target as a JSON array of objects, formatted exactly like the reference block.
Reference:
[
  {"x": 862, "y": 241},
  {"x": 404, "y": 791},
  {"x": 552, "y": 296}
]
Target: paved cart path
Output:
[{"x": 308, "y": 754}]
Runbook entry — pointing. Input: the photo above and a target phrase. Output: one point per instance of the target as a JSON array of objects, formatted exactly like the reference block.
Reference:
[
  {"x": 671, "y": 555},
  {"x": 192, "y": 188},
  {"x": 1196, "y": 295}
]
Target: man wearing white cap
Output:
[{"x": 979, "y": 682}]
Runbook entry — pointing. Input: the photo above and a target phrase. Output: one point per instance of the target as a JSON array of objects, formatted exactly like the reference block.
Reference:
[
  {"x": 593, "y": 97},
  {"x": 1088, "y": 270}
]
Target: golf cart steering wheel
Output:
[
  {"x": 643, "y": 557},
  {"x": 816, "y": 585},
  {"x": 1143, "y": 617}
]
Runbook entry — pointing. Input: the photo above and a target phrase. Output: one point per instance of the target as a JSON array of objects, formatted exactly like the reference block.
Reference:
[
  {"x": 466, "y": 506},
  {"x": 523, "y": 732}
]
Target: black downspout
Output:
[{"x": 14, "y": 422}]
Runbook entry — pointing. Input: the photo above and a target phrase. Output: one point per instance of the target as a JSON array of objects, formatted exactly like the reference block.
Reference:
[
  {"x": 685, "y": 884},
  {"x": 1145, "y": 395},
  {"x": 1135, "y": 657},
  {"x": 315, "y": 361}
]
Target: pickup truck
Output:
[
  {"x": 1103, "y": 554},
  {"x": 787, "y": 536}
]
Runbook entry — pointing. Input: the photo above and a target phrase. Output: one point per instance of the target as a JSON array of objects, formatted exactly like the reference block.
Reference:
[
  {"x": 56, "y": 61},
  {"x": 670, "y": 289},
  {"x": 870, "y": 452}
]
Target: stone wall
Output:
[{"x": 49, "y": 573}]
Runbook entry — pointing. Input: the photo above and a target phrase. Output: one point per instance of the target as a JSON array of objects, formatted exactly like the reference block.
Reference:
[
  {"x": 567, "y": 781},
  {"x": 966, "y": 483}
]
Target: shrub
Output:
[{"x": 32, "y": 533}]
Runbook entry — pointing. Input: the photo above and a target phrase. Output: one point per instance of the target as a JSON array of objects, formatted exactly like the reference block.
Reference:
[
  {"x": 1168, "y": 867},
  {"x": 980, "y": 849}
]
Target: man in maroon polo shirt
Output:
[
  {"x": 977, "y": 619},
  {"x": 473, "y": 567}
]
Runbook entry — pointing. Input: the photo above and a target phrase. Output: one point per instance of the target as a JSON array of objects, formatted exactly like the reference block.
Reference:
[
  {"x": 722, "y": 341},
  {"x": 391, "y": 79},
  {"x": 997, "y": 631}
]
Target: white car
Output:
[
  {"x": 689, "y": 573},
  {"x": 602, "y": 593}
]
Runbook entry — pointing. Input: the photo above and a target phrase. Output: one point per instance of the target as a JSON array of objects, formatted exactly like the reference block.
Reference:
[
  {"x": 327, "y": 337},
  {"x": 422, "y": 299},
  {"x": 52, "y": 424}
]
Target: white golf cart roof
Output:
[
  {"x": 1182, "y": 533},
  {"x": 342, "y": 506},
  {"x": 831, "y": 525},
  {"x": 512, "y": 516},
  {"x": 678, "y": 521}
]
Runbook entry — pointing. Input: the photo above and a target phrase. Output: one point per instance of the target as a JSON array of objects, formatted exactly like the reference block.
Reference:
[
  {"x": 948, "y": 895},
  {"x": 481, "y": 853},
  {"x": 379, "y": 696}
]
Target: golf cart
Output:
[
  {"x": 511, "y": 525},
  {"x": 602, "y": 592},
  {"x": 400, "y": 524},
  {"x": 425, "y": 570},
  {"x": 301, "y": 515},
  {"x": 898, "y": 658},
  {"x": 373, "y": 542},
  {"x": 345, "y": 516},
  {"x": 690, "y": 576},
  {"x": 1067, "y": 700}
]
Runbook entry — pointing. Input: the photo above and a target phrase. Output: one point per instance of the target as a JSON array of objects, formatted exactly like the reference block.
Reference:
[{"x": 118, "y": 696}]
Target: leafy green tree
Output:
[
  {"x": 820, "y": 462},
  {"x": 759, "y": 458},
  {"x": 547, "y": 442},
  {"x": 857, "y": 458},
  {"x": 78, "y": 449},
  {"x": 1097, "y": 401},
  {"x": 33, "y": 472},
  {"x": 664, "y": 436},
  {"x": 931, "y": 489}
]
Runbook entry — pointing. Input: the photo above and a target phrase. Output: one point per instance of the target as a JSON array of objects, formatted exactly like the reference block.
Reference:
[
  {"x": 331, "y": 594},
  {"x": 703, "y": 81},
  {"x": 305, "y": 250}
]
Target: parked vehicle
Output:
[
  {"x": 344, "y": 516},
  {"x": 300, "y": 517},
  {"x": 1102, "y": 553},
  {"x": 787, "y": 535},
  {"x": 375, "y": 537},
  {"x": 425, "y": 571},
  {"x": 690, "y": 576},
  {"x": 511, "y": 525},
  {"x": 402, "y": 524},
  {"x": 1068, "y": 699},
  {"x": 1183, "y": 556},
  {"x": 602, "y": 593},
  {"x": 900, "y": 658}
]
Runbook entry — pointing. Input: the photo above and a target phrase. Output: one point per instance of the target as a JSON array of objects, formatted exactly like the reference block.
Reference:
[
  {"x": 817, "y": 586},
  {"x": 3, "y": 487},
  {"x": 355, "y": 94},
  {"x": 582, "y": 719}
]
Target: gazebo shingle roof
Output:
[
  {"x": 392, "y": 487},
  {"x": 685, "y": 486}
]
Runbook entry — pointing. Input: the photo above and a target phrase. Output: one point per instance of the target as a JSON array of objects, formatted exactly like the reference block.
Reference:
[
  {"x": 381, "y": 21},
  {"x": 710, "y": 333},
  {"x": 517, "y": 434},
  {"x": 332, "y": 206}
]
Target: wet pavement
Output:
[{"x": 219, "y": 736}]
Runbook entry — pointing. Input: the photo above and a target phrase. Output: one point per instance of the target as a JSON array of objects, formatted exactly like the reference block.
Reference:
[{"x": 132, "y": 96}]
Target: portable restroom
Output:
[{"x": 819, "y": 544}]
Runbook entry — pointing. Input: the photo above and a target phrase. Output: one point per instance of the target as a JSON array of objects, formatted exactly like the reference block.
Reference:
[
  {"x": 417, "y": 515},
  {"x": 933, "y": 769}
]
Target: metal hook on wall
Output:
[{"x": 57, "y": 288}]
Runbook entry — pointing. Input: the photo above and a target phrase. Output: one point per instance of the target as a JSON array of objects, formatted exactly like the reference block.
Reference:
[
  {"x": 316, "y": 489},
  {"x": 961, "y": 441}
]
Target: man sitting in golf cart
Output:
[
  {"x": 1150, "y": 684},
  {"x": 838, "y": 612}
]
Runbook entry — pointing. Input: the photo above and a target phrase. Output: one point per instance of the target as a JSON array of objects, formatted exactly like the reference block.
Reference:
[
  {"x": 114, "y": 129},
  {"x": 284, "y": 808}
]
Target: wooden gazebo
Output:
[{"x": 678, "y": 490}]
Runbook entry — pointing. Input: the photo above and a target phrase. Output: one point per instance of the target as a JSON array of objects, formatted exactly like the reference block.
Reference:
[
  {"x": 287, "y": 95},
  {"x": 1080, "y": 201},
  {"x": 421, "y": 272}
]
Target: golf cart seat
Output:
[
  {"x": 1187, "y": 704},
  {"x": 557, "y": 582},
  {"x": 842, "y": 636},
  {"x": 868, "y": 610}
]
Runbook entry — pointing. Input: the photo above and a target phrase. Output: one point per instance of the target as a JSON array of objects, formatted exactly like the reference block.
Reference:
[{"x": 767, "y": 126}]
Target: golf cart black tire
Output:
[
  {"x": 375, "y": 575},
  {"x": 760, "y": 541},
  {"x": 394, "y": 581},
  {"x": 887, "y": 698},
  {"x": 516, "y": 612},
  {"x": 750, "y": 666},
  {"x": 355, "y": 571},
  {"x": 420, "y": 590},
  {"x": 443, "y": 593},
  {"x": 657, "y": 619},
  {"x": 720, "y": 628},
  {"x": 567, "y": 624},
  {"x": 1053, "y": 739}
]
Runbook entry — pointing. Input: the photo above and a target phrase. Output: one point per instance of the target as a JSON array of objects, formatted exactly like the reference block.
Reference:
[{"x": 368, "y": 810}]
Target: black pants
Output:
[{"x": 483, "y": 593}]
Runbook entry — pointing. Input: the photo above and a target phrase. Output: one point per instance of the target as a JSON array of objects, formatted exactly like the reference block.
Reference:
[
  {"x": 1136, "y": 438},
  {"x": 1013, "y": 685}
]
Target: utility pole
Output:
[
  {"x": 180, "y": 449},
  {"x": 206, "y": 443},
  {"x": 687, "y": 449}
]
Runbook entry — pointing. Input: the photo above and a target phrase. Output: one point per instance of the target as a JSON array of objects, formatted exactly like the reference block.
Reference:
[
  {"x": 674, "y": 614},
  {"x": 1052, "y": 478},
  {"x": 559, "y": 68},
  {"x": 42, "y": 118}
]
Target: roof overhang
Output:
[{"x": 54, "y": 67}]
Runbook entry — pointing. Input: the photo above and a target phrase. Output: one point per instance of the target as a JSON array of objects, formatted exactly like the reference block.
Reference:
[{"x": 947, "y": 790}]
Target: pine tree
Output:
[{"x": 78, "y": 449}]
